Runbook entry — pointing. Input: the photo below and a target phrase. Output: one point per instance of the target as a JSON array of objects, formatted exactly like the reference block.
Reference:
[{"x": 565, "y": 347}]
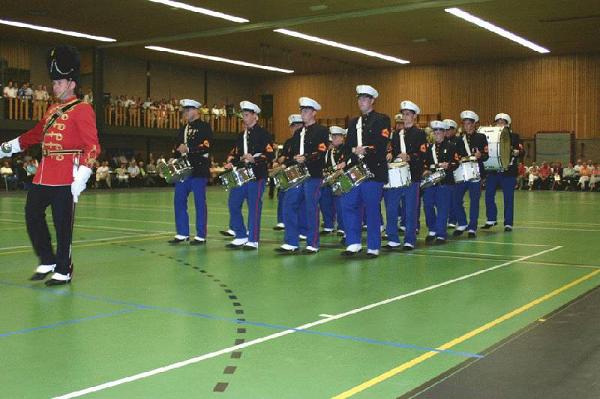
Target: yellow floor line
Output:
[{"x": 411, "y": 363}]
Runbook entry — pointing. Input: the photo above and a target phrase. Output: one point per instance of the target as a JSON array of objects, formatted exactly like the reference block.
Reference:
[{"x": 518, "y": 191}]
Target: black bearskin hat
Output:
[{"x": 63, "y": 63}]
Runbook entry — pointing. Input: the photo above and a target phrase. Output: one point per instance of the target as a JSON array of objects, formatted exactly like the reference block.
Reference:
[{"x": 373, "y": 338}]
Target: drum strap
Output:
[
  {"x": 467, "y": 146},
  {"x": 434, "y": 154},
  {"x": 185, "y": 133},
  {"x": 302, "y": 133},
  {"x": 402, "y": 142},
  {"x": 331, "y": 157},
  {"x": 245, "y": 141},
  {"x": 359, "y": 131}
]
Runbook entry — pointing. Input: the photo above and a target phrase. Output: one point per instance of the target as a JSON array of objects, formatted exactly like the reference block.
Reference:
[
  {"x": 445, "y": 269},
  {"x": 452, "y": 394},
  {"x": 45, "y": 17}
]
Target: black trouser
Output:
[{"x": 60, "y": 199}]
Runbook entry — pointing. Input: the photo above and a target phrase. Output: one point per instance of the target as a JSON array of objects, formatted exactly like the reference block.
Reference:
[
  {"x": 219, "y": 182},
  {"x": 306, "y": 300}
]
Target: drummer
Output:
[
  {"x": 451, "y": 127},
  {"x": 368, "y": 138},
  {"x": 193, "y": 142},
  {"x": 441, "y": 156},
  {"x": 507, "y": 180},
  {"x": 252, "y": 149},
  {"x": 411, "y": 147},
  {"x": 476, "y": 148},
  {"x": 308, "y": 147},
  {"x": 295, "y": 123},
  {"x": 335, "y": 159}
]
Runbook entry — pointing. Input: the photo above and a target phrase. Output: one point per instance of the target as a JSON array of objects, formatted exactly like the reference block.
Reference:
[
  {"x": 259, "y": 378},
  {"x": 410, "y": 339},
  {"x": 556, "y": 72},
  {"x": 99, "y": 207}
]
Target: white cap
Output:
[
  {"x": 469, "y": 115},
  {"x": 399, "y": 118},
  {"x": 337, "y": 130},
  {"x": 504, "y": 116},
  {"x": 406, "y": 104},
  {"x": 451, "y": 124},
  {"x": 438, "y": 125},
  {"x": 366, "y": 90},
  {"x": 248, "y": 106},
  {"x": 306, "y": 102},
  {"x": 295, "y": 118},
  {"x": 185, "y": 103}
]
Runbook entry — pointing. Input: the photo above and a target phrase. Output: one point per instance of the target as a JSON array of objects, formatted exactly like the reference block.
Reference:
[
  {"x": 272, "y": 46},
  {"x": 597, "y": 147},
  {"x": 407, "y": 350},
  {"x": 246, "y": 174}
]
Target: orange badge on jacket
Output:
[
  {"x": 423, "y": 148},
  {"x": 322, "y": 147},
  {"x": 269, "y": 148},
  {"x": 205, "y": 143},
  {"x": 385, "y": 133}
]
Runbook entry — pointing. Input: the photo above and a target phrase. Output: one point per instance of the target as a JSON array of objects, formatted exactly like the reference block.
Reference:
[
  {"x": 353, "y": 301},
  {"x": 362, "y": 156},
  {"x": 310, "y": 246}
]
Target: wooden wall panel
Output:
[
  {"x": 17, "y": 54},
  {"x": 541, "y": 94}
]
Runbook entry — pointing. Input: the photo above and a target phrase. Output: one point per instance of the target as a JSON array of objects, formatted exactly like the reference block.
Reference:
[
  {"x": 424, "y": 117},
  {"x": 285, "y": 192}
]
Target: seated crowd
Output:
[{"x": 583, "y": 176}]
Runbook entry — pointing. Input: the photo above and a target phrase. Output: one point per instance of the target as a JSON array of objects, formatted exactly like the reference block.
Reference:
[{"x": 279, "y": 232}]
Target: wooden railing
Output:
[{"x": 17, "y": 109}]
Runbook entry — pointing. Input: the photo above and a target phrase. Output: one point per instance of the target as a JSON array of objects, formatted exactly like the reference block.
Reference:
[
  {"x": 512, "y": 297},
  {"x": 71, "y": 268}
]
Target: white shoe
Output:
[
  {"x": 393, "y": 244},
  {"x": 302, "y": 237},
  {"x": 42, "y": 269},
  {"x": 251, "y": 244},
  {"x": 409, "y": 245},
  {"x": 403, "y": 228},
  {"x": 354, "y": 248},
  {"x": 239, "y": 241},
  {"x": 451, "y": 225},
  {"x": 199, "y": 239},
  {"x": 288, "y": 247},
  {"x": 312, "y": 249},
  {"x": 373, "y": 252},
  {"x": 461, "y": 228},
  {"x": 180, "y": 237},
  {"x": 431, "y": 234},
  {"x": 280, "y": 226}
]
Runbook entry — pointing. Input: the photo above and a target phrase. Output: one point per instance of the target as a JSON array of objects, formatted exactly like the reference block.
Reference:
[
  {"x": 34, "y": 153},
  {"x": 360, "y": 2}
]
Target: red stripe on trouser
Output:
[{"x": 256, "y": 212}]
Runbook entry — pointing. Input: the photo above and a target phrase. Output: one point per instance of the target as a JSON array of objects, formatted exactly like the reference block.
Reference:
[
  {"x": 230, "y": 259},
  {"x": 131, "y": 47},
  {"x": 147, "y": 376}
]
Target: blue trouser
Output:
[
  {"x": 474, "y": 196},
  {"x": 197, "y": 185},
  {"x": 436, "y": 202},
  {"x": 294, "y": 217},
  {"x": 250, "y": 192},
  {"x": 364, "y": 198},
  {"x": 393, "y": 208},
  {"x": 327, "y": 205},
  {"x": 507, "y": 183},
  {"x": 409, "y": 196},
  {"x": 402, "y": 210},
  {"x": 339, "y": 210},
  {"x": 280, "y": 199},
  {"x": 452, "y": 205}
]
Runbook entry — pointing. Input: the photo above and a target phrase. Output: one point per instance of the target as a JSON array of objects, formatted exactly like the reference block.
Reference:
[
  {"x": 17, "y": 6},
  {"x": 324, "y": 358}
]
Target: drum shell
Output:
[
  {"x": 398, "y": 175},
  {"x": 499, "y": 147}
]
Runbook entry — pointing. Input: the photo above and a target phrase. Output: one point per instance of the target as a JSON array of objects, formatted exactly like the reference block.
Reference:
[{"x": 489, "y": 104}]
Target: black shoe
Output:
[
  {"x": 39, "y": 276},
  {"x": 226, "y": 233},
  {"x": 176, "y": 241},
  {"x": 440, "y": 241},
  {"x": 326, "y": 232},
  {"x": 309, "y": 252},
  {"x": 371, "y": 256},
  {"x": 249, "y": 248},
  {"x": 407, "y": 247},
  {"x": 283, "y": 251},
  {"x": 389, "y": 247},
  {"x": 233, "y": 246},
  {"x": 52, "y": 282},
  {"x": 458, "y": 233},
  {"x": 508, "y": 228},
  {"x": 429, "y": 239},
  {"x": 488, "y": 226},
  {"x": 278, "y": 228},
  {"x": 472, "y": 234},
  {"x": 197, "y": 242},
  {"x": 340, "y": 233},
  {"x": 350, "y": 253}
]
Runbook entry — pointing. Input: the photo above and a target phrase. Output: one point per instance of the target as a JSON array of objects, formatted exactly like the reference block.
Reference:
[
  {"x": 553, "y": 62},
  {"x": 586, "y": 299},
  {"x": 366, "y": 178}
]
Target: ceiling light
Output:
[
  {"x": 219, "y": 59},
  {"x": 341, "y": 45},
  {"x": 496, "y": 29},
  {"x": 54, "y": 30},
  {"x": 200, "y": 10}
]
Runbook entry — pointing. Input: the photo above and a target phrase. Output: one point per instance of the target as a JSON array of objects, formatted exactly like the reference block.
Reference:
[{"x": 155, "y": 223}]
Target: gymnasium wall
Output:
[{"x": 555, "y": 93}]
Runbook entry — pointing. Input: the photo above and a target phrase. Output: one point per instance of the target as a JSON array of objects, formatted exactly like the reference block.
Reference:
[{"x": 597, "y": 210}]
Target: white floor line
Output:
[
  {"x": 325, "y": 315},
  {"x": 500, "y": 243},
  {"x": 270, "y": 337},
  {"x": 99, "y": 227},
  {"x": 467, "y": 253},
  {"x": 91, "y": 240},
  {"x": 559, "y": 229},
  {"x": 560, "y": 223}
]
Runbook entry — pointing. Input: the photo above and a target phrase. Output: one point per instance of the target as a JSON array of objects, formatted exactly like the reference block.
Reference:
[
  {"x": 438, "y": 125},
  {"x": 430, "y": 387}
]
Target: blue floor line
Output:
[
  {"x": 66, "y": 322},
  {"x": 68, "y": 292}
]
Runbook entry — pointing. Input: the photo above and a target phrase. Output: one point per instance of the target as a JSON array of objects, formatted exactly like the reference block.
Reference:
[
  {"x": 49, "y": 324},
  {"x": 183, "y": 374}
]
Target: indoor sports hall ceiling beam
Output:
[{"x": 297, "y": 21}]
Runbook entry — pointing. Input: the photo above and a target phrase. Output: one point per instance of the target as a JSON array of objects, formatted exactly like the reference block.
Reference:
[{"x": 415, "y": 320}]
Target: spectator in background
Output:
[
  {"x": 122, "y": 175},
  {"x": 534, "y": 175},
  {"x": 46, "y": 94},
  {"x": 103, "y": 175},
  {"x": 152, "y": 177},
  {"x": 584, "y": 177},
  {"x": 522, "y": 171},
  {"x": 545, "y": 172},
  {"x": 595, "y": 178},
  {"x": 38, "y": 94},
  {"x": 557, "y": 173},
  {"x": 30, "y": 170},
  {"x": 28, "y": 95},
  {"x": 569, "y": 177},
  {"x": 134, "y": 174},
  {"x": 88, "y": 97},
  {"x": 8, "y": 175},
  {"x": 9, "y": 90}
]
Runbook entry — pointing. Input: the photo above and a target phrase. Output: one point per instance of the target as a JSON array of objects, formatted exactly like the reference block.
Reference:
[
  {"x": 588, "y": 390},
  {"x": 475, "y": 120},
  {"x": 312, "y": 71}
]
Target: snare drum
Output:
[
  {"x": 176, "y": 170},
  {"x": 433, "y": 179},
  {"x": 398, "y": 175},
  {"x": 286, "y": 178},
  {"x": 467, "y": 171},
  {"x": 499, "y": 147},
  {"x": 236, "y": 177},
  {"x": 330, "y": 178},
  {"x": 353, "y": 177}
]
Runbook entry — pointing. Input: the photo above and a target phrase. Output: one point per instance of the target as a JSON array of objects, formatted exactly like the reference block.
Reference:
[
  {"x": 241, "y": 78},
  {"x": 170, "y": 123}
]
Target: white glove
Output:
[
  {"x": 80, "y": 178},
  {"x": 9, "y": 148}
]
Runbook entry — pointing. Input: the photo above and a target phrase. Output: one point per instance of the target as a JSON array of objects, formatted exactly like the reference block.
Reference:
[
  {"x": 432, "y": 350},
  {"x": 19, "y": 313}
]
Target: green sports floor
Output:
[{"x": 143, "y": 319}]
